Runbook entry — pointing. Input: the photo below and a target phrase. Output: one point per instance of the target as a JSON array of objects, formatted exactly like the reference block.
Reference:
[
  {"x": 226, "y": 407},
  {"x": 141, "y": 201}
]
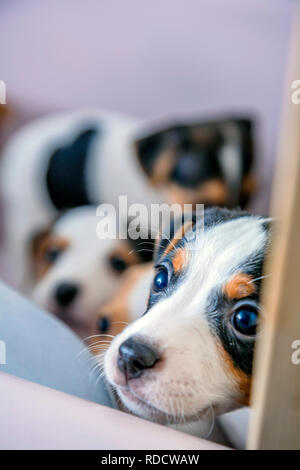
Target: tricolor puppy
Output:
[
  {"x": 192, "y": 349},
  {"x": 76, "y": 158},
  {"x": 125, "y": 306},
  {"x": 73, "y": 271}
]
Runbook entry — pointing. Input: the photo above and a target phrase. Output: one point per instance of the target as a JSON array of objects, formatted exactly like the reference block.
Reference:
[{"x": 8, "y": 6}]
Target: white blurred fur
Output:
[
  {"x": 85, "y": 263},
  {"x": 112, "y": 171}
]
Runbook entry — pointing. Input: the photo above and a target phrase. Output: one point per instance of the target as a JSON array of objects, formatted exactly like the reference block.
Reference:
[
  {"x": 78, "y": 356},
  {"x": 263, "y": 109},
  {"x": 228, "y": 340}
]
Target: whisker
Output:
[
  {"x": 139, "y": 250},
  {"x": 98, "y": 348},
  {"x": 102, "y": 342},
  {"x": 157, "y": 232},
  {"x": 97, "y": 336},
  {"x": 146, "y": 243},
  {"x": 85, "y": 350},
  {"x": 259, "y": 278}
]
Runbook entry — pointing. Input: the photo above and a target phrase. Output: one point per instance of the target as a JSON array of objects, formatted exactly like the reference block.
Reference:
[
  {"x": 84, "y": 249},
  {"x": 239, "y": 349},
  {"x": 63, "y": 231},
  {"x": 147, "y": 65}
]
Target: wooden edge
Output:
[{"x": 275, "y": 422}]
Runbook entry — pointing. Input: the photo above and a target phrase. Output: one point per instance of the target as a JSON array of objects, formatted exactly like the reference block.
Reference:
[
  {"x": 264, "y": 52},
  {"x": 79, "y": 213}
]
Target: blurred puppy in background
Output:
[
  {"x": 77, "y": 158},
  {"x": 206, "y": 162},
  {"x": 124, "y": 306},
  {"x": 73, "y": 272},
  {"x": 56, "y": 163}
]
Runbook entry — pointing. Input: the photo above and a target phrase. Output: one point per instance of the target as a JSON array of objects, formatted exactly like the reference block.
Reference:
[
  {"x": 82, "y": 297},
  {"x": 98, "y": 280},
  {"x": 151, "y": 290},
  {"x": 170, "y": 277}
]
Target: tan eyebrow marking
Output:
[
  {"x": 179, "y": 260},
  {"x": 239, "y": 286},
  {"x": 178, "y": 236}
]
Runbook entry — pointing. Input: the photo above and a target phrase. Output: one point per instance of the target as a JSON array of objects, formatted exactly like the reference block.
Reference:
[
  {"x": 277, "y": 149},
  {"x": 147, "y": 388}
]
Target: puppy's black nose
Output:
[
  {"x": 65, "y": 293},
  {"x": 135, "y": 356}
]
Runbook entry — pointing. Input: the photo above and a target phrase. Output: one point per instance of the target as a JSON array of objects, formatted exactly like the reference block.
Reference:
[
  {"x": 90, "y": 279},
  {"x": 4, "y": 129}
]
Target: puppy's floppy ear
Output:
[
  {"x": 36, "y": 241},
  {"x": 37, "y": 238},
  {"x": 151, "y": 148},
  {"x": 6, "y": 113},
  {"x": 35, "y": 244}
]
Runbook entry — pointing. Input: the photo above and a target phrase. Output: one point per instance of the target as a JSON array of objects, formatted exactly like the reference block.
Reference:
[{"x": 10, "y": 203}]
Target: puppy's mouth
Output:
[
  {"x": 133, "y": 401},
  {"x": 146, "y": 409}
]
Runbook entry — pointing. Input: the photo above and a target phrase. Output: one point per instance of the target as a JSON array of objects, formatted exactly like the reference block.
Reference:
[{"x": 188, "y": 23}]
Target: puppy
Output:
[
  {"x": 83, "y": 157},
  {"x": 125, "y": 306},
  {"x": 73, "y": 272},
  {"x": 63, "y": 161},
  {"x": 192, "y": 349}
]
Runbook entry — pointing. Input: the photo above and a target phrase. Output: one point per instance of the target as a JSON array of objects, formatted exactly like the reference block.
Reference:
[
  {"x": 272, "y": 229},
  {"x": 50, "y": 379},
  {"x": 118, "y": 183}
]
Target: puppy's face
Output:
[
  {"x": 192, "y": 349},
  {"x": 205, "y": 163},
  {"x": 74, "y": 271}
]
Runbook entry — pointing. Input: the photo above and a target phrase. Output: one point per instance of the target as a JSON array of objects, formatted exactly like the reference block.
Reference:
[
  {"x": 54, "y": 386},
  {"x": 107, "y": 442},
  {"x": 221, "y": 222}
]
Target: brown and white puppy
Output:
[
  {"x": 73, "y": 272},
  {"x": 192, "y": 349}
]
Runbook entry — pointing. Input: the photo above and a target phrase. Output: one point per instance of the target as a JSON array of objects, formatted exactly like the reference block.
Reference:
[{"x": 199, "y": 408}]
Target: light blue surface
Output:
[{"x": 42, "y": 349}]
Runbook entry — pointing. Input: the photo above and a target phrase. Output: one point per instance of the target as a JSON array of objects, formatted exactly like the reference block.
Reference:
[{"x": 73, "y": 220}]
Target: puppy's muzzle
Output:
[{"x": 134, "y": 357}]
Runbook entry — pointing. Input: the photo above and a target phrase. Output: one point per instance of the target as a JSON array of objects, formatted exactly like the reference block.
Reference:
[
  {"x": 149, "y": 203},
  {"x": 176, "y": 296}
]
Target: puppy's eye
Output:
[
  {"x": 161, "y": 279},
  {"x": 103, "y": 324},
  {"x": 245, "y": 320},
  {"x": 52, "y": 254},
  {"x": 118, "y": 264}
]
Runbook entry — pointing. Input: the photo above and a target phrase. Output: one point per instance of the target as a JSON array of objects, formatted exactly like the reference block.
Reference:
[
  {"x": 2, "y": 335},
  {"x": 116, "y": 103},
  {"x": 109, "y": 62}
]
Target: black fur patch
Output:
[
  {"x": 65, "y": 175},
  {"x": 144, "y": 248},
  {"x": 219, "y": 307},
  {"x": 218, "y": 313}
]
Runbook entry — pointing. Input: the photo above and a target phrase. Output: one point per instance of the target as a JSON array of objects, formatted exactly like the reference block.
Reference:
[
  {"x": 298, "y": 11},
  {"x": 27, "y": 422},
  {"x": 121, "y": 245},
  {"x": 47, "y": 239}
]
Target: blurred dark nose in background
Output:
[{"x": 66, "y": 293}]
